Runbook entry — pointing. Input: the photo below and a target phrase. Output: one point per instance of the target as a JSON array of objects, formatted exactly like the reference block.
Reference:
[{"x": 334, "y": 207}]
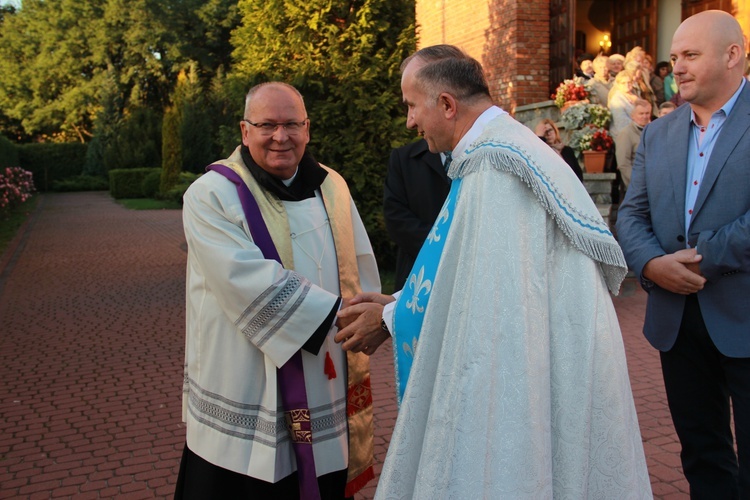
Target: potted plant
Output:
[
  {"x": 581, "y": 114},
  {"x": 568, "y": 93},
  {"x": 594, "y": 142}
]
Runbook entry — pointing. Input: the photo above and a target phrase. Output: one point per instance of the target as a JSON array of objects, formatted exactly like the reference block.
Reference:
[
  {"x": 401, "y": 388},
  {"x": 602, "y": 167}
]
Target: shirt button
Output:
[
  {"x": 701, "y": 155},
  {"x": 695, "y": 183},
  {"x": 690, "y": 211}
]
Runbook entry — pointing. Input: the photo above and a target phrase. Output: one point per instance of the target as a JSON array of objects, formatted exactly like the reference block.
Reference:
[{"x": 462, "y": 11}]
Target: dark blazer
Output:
[
  {"x": 415, "y": 188},
  {"x": 650, "y": 223}
]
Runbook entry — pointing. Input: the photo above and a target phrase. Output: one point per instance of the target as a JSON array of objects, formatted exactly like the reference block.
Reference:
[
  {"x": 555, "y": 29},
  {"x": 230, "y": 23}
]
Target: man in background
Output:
[
  {"x": 415, "y": 189},
  {"x": 685, "y": 229},
  {"x": 627, "y": 140}
]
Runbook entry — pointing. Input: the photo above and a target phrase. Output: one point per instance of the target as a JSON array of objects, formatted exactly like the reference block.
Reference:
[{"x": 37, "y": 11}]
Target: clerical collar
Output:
[
  {"x": 476, "y": 130},
  {"x": 309, "y": 177}
]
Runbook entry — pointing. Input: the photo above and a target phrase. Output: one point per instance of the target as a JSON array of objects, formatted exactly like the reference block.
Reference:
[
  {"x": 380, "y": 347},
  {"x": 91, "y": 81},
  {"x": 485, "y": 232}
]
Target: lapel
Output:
[
  {"x": 677, "y": 133},
  {"x": 433, "y": 161},
  {"x": 734, "y": 128}
]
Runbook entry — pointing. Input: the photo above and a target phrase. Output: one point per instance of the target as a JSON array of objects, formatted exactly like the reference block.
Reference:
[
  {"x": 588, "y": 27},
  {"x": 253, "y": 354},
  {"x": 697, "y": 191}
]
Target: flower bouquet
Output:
[
  {"x": 591, "y": 138},
  {"x": 567, "y": 91},
  {"x": 583, "y": 113}
]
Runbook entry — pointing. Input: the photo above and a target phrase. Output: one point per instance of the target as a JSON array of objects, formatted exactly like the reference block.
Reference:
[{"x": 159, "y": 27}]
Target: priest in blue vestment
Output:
[{"x": 510, "y": 363}]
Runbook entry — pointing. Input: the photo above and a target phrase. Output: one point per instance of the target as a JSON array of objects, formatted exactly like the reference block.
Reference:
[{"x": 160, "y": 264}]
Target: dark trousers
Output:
[
  {"x": 201, "y": 480},
  {"x": 700, "y": 382}
]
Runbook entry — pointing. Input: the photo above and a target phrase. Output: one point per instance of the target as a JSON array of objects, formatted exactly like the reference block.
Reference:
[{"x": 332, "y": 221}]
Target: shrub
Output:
[
  {"x": 16, "y": 186},
  {"x": 81, "y": 183},
  {"x": 178, "y": 190},
  {"x": 128, "y": 183},
  {"x": 8, "y": 153},
  {"x": 50, "y": 162},
  {"x": 150, "y": 184}
]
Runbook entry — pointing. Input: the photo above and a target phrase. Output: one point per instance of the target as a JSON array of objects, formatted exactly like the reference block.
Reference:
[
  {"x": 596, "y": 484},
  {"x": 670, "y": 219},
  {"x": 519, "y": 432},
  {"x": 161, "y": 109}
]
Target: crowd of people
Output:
[
  {"x": 509, "y": 362},
  {"x": 635, "y": 91}
]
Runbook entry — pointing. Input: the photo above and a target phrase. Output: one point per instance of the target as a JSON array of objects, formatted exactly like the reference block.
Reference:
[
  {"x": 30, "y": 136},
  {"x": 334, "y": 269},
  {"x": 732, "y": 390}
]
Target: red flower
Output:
[{"x": 601, "y": 141}]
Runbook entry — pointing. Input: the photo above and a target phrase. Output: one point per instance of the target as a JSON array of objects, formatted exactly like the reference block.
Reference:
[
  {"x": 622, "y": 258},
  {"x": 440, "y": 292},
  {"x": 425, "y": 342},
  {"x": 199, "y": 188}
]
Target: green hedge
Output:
[
  {"x": 128, "y": 182},
  {"x": 50, "y": 162},
  {"x": 8, "y": 153}
]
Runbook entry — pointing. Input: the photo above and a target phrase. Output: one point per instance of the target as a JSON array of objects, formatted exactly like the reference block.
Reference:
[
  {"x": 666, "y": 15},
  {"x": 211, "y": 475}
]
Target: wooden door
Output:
[
  {"x": 561, "y": 52},
  {"x": 634, "y": 25},
  {"x": 690, "y": 7}
]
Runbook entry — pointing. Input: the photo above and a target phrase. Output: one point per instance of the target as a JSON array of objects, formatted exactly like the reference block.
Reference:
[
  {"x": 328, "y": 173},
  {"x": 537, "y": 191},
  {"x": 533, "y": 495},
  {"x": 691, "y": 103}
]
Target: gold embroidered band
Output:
[{"x": 298, "y": 423}]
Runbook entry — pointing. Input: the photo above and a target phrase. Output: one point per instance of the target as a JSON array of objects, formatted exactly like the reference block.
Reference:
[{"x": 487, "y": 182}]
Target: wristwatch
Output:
[{"x": 384, "y": 326}]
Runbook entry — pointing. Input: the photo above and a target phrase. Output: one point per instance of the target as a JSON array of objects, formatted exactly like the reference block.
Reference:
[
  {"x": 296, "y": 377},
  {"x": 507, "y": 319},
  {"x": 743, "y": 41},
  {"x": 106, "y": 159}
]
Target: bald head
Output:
[
  {"x": 720, "y": 27},
  {"x": 264, "y": 90},
  {"x": 708, "y": 52}
]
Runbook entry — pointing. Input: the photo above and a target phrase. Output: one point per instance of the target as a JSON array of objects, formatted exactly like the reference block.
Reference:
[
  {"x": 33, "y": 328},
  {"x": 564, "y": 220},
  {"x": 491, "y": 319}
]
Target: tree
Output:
[
  {"x": 45, "y": 62},
  {"x": 171, "y": 150},
  {"x": 56, "y": 55},
  {"x": 344, "y": 57},
  {"x": 196, "y": 126}
]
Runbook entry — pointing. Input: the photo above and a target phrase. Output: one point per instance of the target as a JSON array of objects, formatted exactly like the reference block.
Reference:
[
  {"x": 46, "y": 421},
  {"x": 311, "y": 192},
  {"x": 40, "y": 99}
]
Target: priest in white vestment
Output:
[
  {"x": 248, "y": 315},
  {"x": 510, "y": 363}
]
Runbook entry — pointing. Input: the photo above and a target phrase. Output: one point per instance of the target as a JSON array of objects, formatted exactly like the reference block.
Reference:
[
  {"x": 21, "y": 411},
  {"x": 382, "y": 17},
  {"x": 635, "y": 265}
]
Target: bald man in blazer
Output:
[
  {"x": 415, "y": 189},
  {"x": 684, "y": 227}
]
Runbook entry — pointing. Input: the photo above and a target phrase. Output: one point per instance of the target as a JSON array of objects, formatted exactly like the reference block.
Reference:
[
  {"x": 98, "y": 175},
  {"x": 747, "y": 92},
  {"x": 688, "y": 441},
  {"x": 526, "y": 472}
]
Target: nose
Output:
[
  {"x": 280, "y": 134},
  {"x": 410, "y": 123},
  {"x": 677, "y": 66}
]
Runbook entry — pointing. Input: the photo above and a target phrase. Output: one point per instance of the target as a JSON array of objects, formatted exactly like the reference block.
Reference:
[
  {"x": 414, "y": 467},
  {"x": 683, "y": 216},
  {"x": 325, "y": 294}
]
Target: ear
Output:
[
  {"x": 448, "y": 105},
  {"x": 244, "y": 130},
  {"x": 736, "y": 56}
]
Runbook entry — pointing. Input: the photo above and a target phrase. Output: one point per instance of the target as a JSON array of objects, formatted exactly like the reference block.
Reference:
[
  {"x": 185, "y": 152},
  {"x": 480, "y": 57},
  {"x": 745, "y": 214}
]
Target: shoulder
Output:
[
  {"x": 211, "y": 188},
  {"x": 336, "y": 179},
  {"x": 410, "y": 151},
  {"x": 661, "y": 125}
]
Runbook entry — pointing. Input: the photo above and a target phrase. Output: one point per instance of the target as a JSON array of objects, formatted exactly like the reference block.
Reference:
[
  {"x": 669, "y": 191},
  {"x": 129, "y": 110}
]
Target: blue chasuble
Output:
[{"x": 415, "y": 296}]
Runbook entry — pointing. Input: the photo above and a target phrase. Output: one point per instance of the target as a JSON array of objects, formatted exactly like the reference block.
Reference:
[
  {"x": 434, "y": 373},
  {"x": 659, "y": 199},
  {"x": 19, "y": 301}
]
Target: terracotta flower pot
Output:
[{"x": 593, "y": 161}]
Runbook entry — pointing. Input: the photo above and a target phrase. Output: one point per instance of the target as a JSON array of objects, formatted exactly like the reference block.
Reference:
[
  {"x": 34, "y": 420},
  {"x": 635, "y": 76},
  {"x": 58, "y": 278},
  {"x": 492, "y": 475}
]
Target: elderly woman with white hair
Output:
[
  {"x": 621, "y": 101},
  {"x": 601, "y": 84}
]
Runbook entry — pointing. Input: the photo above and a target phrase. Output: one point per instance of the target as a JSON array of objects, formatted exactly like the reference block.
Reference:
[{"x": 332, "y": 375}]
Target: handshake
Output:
[{"x": 359, "y": 321}]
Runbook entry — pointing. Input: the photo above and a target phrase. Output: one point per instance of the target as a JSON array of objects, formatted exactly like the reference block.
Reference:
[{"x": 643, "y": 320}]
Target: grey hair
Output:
[
  {"x": 448, "y": 69},
  {"x": 641, "y": 103},
  {"x": 434, "y": 53}
]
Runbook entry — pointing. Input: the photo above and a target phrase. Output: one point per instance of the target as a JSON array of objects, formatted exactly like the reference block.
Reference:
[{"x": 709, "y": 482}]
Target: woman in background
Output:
[
  {"x": 621, "y": 101},
  {"x": 548, "y": 132}
]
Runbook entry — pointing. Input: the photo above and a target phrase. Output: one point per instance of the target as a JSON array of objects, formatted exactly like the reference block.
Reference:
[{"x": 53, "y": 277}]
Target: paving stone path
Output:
[{"x": 91, "y": 355}]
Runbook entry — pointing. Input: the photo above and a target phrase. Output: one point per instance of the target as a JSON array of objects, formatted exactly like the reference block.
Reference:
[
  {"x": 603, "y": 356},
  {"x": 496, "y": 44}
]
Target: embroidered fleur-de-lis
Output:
[
  {"x": 417, "y": 283},
  {"x": 410, "y": 350},
  {"x": 442, "y": 218}
]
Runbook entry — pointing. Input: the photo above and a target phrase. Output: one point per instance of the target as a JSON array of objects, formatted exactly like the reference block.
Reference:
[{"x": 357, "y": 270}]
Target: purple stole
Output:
[{"x": 291, "y": 378}]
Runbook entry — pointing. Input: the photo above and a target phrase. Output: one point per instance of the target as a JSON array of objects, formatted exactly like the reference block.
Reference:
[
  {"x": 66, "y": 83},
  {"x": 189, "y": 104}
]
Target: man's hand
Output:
[
  {"x": 371, "y": 297},
  {"x": 677, "y": 272},
  {"x": 363, "y": 332}
]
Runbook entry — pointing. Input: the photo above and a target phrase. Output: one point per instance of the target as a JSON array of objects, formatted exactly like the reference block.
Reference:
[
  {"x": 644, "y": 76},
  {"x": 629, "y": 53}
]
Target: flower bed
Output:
[{"x": 16, "y": 186}]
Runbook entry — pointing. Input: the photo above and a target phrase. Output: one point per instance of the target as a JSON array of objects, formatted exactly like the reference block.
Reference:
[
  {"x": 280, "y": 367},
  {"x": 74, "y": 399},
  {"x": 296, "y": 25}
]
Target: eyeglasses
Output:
[{"x": 269, "y": 128}]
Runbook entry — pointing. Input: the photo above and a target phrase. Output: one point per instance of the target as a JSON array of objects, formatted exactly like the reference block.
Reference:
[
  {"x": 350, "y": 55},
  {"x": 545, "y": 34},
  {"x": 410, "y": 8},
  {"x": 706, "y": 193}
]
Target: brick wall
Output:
[
  {"x": 509, "y": 37},
  {"x": 458, "y": 22}
]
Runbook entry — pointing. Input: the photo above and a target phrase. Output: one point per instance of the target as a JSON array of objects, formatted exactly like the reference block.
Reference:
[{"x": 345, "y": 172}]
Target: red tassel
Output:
[{"x": 329, "y": 369}]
